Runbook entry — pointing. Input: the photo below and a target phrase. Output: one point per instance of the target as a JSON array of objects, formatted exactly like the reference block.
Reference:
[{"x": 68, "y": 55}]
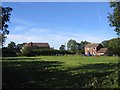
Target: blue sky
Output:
[{"x": 56, "y": 23}]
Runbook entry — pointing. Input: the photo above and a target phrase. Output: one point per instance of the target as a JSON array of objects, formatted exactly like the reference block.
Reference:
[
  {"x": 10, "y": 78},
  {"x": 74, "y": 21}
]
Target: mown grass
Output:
[{"x": 60, "y": 72}]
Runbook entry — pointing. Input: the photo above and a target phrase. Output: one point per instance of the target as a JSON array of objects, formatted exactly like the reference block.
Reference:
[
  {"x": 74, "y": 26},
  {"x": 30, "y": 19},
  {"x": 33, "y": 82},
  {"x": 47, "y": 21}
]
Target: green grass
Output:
[{"x": 60, "y": 72}]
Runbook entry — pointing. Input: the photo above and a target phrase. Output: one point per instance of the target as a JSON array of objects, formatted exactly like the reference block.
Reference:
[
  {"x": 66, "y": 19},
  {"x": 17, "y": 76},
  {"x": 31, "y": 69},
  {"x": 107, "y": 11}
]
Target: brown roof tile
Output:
[
  {"x": 37, "y": 44},
  {"x": 102, "y": 50},
  {"x": 92, "y": 45}
]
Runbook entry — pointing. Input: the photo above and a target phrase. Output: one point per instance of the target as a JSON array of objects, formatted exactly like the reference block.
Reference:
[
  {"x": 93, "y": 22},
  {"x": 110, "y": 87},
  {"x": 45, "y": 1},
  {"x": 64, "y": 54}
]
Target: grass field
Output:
[{"x": 60, "y": 72}]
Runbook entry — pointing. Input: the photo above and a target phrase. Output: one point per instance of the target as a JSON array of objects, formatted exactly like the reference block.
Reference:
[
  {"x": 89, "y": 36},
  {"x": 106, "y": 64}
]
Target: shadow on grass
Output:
[
  {"x": 48, "y": 74},
  {"x": 21, "y": 58}
]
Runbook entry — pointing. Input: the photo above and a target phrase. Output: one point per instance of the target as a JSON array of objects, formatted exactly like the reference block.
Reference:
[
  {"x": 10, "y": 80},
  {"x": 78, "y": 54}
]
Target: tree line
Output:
[
  {"x": 14, "y": 49},
  {"x": 72, "y": 46}
]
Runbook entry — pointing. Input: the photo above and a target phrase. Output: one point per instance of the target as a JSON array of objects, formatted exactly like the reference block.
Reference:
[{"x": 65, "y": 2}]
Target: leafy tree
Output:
[
  {"x": 19, "y": 48},
  {"x": 62, "y": 47},
  {"x": 114, "y": 17},
  {"x": 12, "y": 45},
  {"x": 5, "y": 13},
  {"x": 83, "y": 44},
  {"x": 27, "y": 51},
  {"x": 114, "y": 46},
  {"x": 105, "y": 43},
  {"x": 78, "y": 46},
  {"x": 8, "y": 52},
  {"x": 71, "y": 45}
]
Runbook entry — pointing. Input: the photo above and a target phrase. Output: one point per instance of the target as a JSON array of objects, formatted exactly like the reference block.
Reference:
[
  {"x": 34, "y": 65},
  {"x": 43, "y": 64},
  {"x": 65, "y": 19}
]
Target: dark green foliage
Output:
[
  {"x": 8, "y": 52},
  {"x": 113, "y": 45},
  {"x": 71, "y": 45},
  {"x": 5, "y": 17},
  {"x": 62, "y": 47},
  {"x": 105, "y": 43},
  {"x": 83, "y": 44},
  {"x": 12, "y": 49},
  {"x": 11, "y": 45},
  {"x": 29, "y": 51},
  {"x": 19, "y": 48},
  {"x": 114, "y": 18}
]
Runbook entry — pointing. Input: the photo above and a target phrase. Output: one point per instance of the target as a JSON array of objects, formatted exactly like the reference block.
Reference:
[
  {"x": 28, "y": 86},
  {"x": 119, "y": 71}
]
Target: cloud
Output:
[
  {"x": 18, "y": 28},
  {"x": 36, "y": 30},
  {"x": 20, "y": 38},
  {"x": 22, "y": 22},
  {"x": 80, "y": 37},
  {"x": 27, "y": 32},
  {"x": 55, "y": 39}
]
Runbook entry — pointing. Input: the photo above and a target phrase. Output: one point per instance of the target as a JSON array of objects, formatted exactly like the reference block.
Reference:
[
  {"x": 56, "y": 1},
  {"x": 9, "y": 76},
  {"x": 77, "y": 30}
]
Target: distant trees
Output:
[
  {"x": 74, "y": 47},
  {"x": 83, "y": 44},
  {"x": 71, "y": 45},
  {"x": 19, "y": 47},
  {"x": 5, "y": 13},
  {"x": 29, "y": 51},
  {"x": 10, "y": 50},
  {"x": 114, "y": 17},
  {"x": 62, "y": 47},
  {"x": 105, "y": 43},
  {"x": 113, "y": 45},
  {"x": 12, "y": 45}
]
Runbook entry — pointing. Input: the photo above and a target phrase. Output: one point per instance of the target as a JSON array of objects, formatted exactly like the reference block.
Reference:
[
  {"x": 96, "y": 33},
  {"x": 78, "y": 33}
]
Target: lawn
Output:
[{"x": 60, "y": 72}]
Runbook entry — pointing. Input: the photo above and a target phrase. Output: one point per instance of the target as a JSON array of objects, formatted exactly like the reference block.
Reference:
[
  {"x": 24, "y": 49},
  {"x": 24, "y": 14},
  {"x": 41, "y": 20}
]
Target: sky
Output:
[{"x": 58, "y": 22}]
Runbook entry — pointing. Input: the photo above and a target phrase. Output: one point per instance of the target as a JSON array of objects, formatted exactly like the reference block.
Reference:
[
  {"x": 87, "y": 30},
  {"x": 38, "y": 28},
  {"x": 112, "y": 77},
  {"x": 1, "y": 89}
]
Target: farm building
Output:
[
  {"x": 38, "y": 45},
  {"x": 96, "y": 49},
  {"x": 103, "y": 51}
]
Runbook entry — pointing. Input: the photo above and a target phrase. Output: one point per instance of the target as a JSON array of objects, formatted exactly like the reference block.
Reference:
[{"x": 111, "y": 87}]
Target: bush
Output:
[
  {"x": 8, "y": 52},
  {"x": 29, "y": 51}
]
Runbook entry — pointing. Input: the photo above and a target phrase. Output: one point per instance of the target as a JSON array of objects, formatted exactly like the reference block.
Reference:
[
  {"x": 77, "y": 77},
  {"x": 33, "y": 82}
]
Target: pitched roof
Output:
[
  {"x": 92, "y": 45},
  {"x": 102, "y": 50},
  {"x": 37, "y": 44}
]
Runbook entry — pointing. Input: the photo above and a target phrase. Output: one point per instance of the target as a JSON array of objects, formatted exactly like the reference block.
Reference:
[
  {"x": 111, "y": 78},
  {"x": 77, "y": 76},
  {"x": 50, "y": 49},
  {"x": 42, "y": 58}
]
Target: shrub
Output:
[
  {"x": 8, "y": 52},
  {"x": 29, "y": 51}
]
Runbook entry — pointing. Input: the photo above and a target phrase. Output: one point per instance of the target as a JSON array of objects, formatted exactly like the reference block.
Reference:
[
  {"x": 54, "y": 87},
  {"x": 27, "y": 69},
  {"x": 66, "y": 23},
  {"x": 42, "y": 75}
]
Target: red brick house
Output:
[
  {"x": 37, "y": 45},
  {"x": 96, "y": 49}
]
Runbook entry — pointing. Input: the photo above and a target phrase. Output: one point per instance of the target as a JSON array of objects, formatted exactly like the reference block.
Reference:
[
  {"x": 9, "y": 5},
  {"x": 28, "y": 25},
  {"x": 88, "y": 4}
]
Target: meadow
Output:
[{"x": 60, "y": 72}]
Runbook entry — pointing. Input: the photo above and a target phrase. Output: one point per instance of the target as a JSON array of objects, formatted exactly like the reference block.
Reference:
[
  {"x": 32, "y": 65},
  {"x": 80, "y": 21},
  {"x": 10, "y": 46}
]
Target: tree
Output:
[
  {"x": 71, "y": 45},
  {"x": 78, "y": 46},
  {"x": 114, "y": 17},
  {"x": 19, "y": 48},
  {"x": 105, "y": 43},
  {"x": 114, "y": 46},
  {"x": 62, "y": 47},
  {"x": 83, "y": 44},
  {"x": 12, "y": 45},
  {"x": 10, "y": 50},
  {"x": 5, "y": 13},
  {"x": 27, "y": 51}
]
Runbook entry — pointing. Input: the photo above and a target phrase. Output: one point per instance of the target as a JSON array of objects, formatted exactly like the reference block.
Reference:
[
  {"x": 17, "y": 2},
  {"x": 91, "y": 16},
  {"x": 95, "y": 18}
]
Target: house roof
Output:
[
  {"x": 92, "y": 45},
  {"x": 102, "y": 50},
  {"x": 37, "y": 44}
]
